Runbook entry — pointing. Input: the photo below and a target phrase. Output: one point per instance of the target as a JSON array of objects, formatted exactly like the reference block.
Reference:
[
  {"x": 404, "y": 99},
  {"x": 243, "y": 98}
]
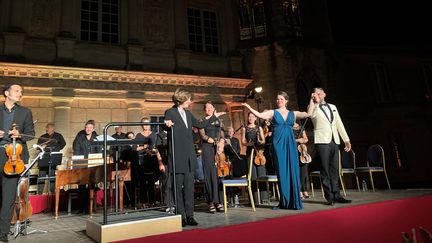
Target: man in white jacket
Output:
[{"x": 328, "y": 127}]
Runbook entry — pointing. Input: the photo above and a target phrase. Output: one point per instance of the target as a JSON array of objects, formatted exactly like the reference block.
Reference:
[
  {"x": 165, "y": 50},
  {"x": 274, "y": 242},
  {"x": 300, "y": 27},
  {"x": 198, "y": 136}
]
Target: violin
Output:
[
  {"x": 14, "y": 165},
  {"x": 305, "y": 158},
  {"x": 260, "y": 158},
  {"x": 266, "y": 128},
  {"x": 22, "y": 208},
  {"x": 222, "y": 164}
]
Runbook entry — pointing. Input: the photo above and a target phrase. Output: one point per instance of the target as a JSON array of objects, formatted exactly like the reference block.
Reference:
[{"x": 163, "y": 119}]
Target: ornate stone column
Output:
[
  {"x": 134, "y": 113},
  {"x": 62, "y": 116}
]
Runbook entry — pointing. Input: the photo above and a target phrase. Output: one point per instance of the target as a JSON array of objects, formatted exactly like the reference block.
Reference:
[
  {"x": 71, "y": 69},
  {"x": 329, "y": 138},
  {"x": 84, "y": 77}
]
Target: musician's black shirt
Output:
[
  {"x": 55, "y": 145},
  {"x": 7, "y": 124}
]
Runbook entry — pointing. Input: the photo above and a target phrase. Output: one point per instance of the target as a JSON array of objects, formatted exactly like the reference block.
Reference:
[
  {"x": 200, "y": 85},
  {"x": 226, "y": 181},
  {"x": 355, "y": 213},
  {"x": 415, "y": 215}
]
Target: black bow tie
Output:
[{"x": 323, "y": 105}]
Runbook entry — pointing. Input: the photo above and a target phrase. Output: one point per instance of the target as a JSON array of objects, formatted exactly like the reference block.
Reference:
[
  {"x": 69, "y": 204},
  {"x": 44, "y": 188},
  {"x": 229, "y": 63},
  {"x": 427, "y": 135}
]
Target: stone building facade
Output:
[{"x": 120, "y": 60}]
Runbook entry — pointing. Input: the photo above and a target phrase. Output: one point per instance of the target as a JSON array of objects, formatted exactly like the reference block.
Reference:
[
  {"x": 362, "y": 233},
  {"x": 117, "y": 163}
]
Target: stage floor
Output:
[{"x": 71, "y": 228}]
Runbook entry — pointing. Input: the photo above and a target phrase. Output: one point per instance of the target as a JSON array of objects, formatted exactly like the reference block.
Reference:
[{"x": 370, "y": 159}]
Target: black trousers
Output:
[
  {"x": 185, "y": 194},
  {"x": 329, "y": 154},
  {"x": 168, "y": 195},
  {"x": 210, "y": 174},
  {"x": 304, "y": 176},
  {"x": 9, "y": 189}
]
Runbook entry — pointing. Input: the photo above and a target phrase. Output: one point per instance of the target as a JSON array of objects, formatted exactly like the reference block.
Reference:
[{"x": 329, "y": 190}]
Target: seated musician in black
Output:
[
  {"x": 51, "y": 141},
  {"x": 82, "y": 146},
  {"x": 232, "y": 149}
]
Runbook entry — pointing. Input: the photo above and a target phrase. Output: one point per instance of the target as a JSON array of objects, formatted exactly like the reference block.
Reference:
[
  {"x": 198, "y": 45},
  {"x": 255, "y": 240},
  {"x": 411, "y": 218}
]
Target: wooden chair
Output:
[{"x": 241, "y": 182}]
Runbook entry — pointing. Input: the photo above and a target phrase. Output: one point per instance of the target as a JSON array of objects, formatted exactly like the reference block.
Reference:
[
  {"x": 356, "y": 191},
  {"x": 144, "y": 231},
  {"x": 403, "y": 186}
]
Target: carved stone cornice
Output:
[{"x": 71, "y": 74}]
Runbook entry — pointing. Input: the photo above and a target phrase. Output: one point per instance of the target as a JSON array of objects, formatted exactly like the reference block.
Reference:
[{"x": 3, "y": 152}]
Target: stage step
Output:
[{"x": 132, "y": 225}]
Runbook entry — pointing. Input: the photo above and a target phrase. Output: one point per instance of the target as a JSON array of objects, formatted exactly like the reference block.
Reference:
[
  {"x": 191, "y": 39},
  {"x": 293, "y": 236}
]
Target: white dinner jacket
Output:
[{"x": 324, "y": 129}]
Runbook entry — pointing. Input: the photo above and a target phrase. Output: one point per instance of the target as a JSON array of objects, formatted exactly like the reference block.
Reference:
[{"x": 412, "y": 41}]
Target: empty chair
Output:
[
  {"x": 241, "y": 182},
  {"x": 375, "y": 163},
  {"x": 268, "y": 179},
  {"x": 347, "y": 166}
]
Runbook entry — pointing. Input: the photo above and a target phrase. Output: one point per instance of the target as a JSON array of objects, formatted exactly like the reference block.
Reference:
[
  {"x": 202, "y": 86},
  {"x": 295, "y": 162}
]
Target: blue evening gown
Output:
[{"x": 287, "y": 161}]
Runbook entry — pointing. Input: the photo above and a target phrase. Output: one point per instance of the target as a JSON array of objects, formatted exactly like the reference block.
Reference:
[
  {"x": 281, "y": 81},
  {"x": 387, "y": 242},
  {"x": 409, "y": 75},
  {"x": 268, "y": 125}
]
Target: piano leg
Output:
[
  {"x": 57, "y": 199},
  {"x": 91, "y": 201},
  {"x": 121, "y": 187},
  {"x": 111, "y": 184}
]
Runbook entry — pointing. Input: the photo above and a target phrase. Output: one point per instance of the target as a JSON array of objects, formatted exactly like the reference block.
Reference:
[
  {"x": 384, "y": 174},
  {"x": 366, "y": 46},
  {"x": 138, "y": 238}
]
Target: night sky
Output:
[{"x": 381, "y": 23}]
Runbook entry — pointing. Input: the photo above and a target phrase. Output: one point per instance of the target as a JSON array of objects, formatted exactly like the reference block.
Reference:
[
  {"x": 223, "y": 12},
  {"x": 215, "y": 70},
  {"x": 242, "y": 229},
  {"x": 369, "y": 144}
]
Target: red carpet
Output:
[{"x": 377, "y": 222}]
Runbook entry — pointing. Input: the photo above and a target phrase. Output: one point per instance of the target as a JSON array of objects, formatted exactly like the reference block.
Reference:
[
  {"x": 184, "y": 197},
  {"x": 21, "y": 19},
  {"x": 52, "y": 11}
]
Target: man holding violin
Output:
[{"x": 10, "y": 113}]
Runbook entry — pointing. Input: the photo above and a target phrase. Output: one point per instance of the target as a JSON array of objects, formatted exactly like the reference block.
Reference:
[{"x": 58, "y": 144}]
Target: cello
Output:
[{"x": 14, "y": 165}]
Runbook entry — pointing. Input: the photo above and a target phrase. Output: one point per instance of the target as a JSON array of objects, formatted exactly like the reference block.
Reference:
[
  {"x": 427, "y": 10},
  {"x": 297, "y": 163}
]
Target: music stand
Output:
[
  {"x": 22, "y": 229},
  {"x": 48, "y": 160}
]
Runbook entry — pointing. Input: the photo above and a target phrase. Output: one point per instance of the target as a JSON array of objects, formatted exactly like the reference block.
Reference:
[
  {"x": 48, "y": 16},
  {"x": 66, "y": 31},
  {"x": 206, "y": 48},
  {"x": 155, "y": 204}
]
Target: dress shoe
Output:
[
  {"x": 4, "y": 238},
  {"x": 329, "y": 203},
  {"x": 191, "y": 221},
  {"x": 342, "y": 200},
  {"x": 184, "y": 223}
]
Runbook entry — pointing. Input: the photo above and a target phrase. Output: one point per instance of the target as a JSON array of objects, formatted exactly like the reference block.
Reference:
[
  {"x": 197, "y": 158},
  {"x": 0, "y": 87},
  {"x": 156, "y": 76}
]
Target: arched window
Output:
[
  {"x": 292, "y": 17},
  {"x": 252, "y": 19}
]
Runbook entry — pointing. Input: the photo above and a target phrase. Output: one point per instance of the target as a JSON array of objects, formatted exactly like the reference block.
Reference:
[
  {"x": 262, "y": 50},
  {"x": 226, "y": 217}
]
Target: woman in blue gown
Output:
[{"x": 285, "y": 149}]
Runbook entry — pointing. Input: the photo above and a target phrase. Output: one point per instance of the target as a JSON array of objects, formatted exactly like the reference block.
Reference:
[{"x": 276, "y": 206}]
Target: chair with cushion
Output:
[
  {"x": 347, "y": 166},
  {"x": 240, "y": 182},
  {"x": 375, "y": 163},
  {"x": 268, "y": 179}
]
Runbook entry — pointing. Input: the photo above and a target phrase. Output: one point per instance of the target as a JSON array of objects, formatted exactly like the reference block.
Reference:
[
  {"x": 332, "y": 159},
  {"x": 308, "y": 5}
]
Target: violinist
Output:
[
  {"x": 302, "y": 139},
  {"x": 253, "y": 138},
  {"x": 212, "y": 148},
  {"x": 11, "y": 112},
  {"x": 149, "y": 164},
  {"x": 268, "y": 153}
]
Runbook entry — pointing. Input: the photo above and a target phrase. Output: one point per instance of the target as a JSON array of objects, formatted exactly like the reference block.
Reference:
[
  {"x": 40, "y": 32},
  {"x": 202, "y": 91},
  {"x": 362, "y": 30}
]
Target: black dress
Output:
[
  {"x": 147, "y": 168},
  {"x": 212, "y": 130}
]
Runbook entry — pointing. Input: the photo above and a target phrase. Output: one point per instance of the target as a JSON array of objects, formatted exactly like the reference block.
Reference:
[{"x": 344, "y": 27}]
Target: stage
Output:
[{"x": 72, "y": 228}]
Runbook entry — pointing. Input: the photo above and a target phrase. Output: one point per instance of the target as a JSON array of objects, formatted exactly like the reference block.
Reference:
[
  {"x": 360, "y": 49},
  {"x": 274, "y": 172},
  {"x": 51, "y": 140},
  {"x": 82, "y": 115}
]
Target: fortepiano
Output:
[{"x": 91, "y": 176}]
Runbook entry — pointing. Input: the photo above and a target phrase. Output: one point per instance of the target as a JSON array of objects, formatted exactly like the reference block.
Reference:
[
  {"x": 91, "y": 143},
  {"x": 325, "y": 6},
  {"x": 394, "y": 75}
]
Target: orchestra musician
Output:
[
  {"x": 51, "y": 141},
  {"x": 212, "y": 145},
  {"x": 232, "y": 142},
  {"x": 267, "y": 127},
  {"x": 11, "y": 112},
  {"x": 252, "y": 138},
  {"x": 181, "y": 122},
  {"x": 149, "y": 163},
  {"x": 82, "y": 146},
  {"x": 304, "y": 174}
]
